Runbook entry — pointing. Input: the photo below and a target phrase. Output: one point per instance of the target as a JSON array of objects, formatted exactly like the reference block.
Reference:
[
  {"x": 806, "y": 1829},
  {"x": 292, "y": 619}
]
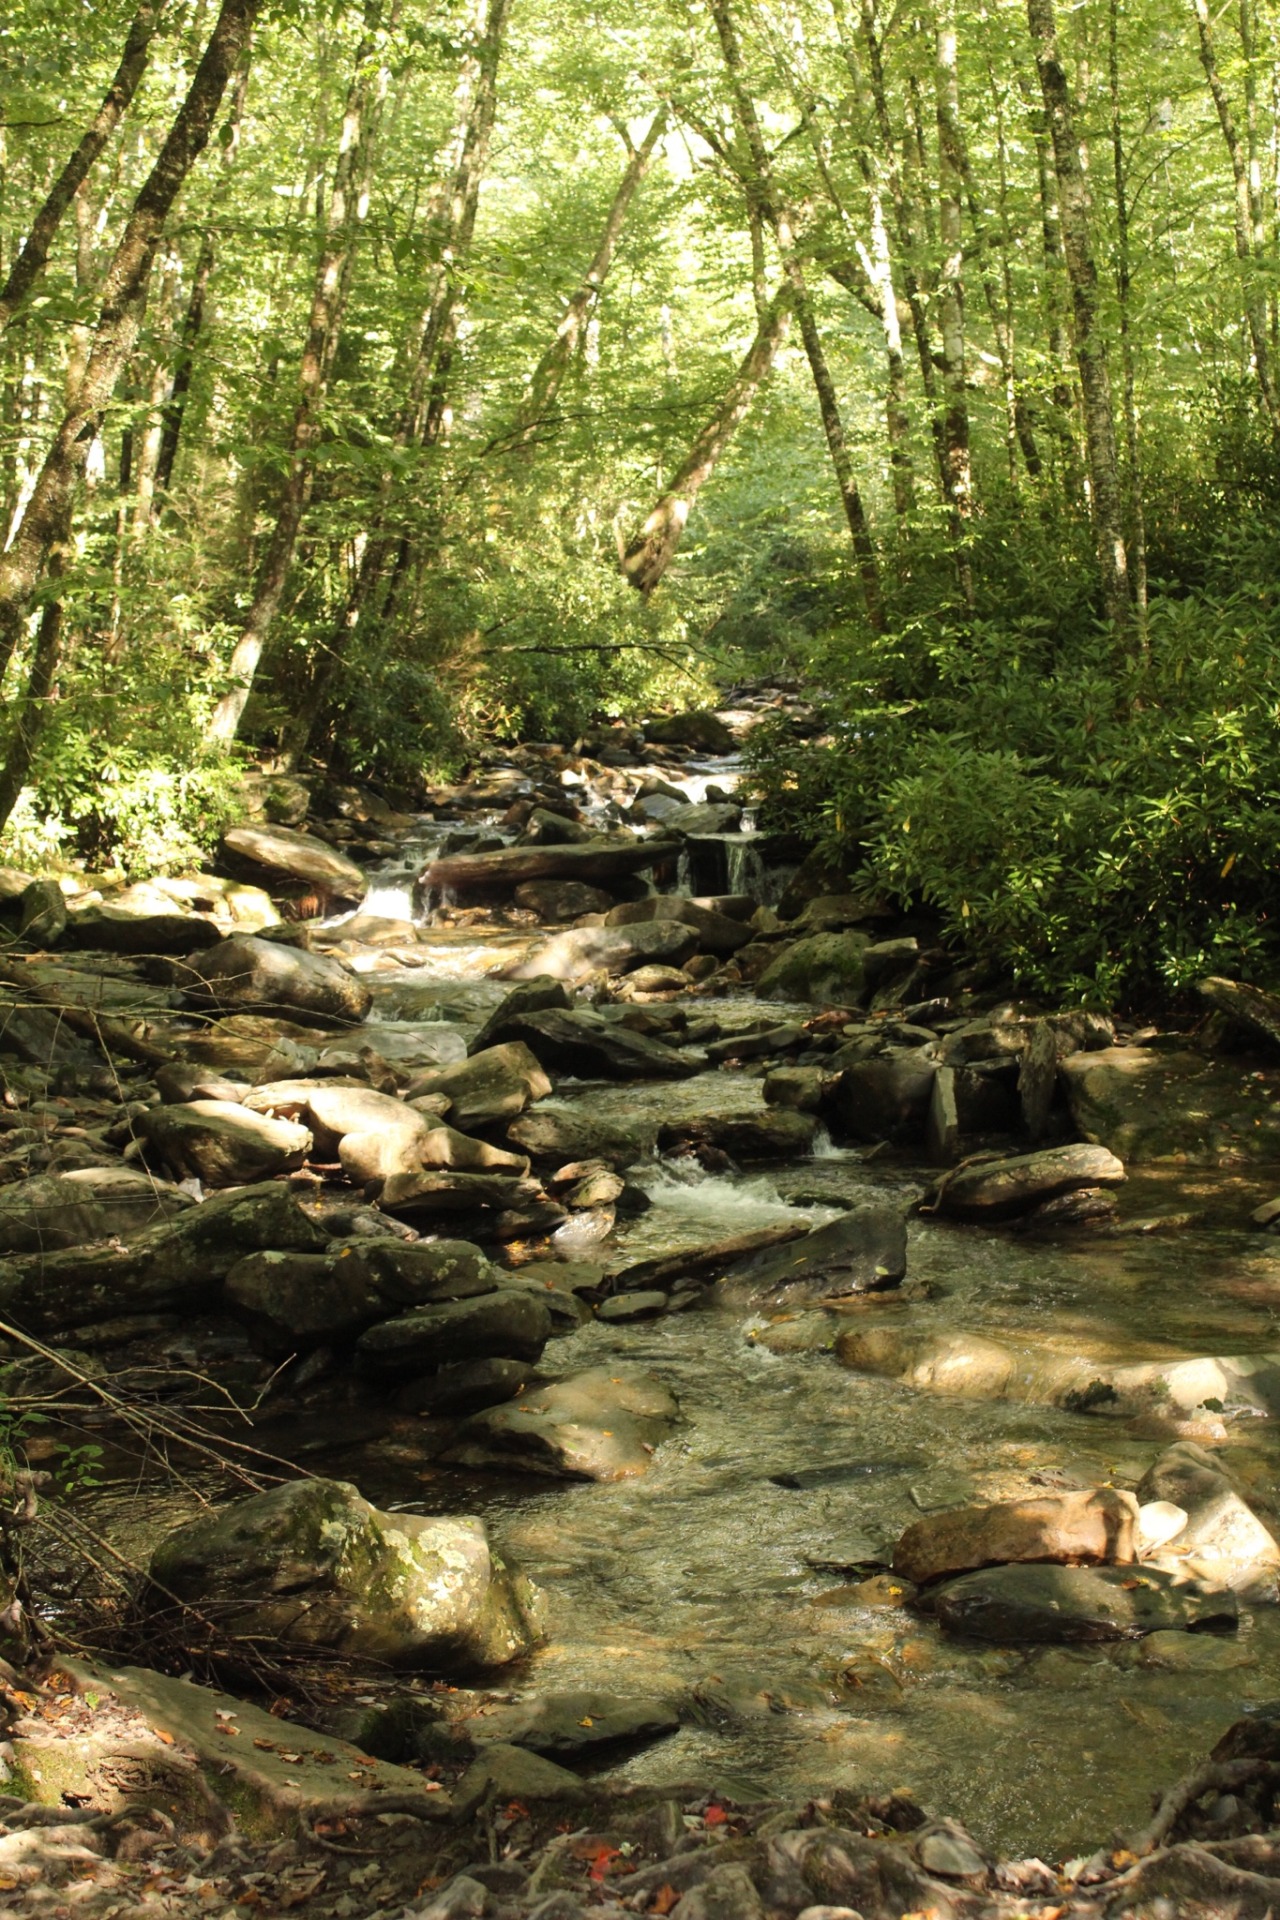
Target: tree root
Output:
[{"x": 1222, "y": 1776}]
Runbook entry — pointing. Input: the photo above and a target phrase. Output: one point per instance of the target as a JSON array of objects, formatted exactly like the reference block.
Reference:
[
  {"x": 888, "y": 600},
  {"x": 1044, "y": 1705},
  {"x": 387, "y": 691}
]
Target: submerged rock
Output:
[
  {"x": 864, "y": 1250},
  {"x": 604, "y": 1424},
  {"x": 314, "y": 1566},
  {"x": 1047, "y": 1603},
  {"x": 565, "y": 1725},
  {"x": 1066, "y": 1527}
]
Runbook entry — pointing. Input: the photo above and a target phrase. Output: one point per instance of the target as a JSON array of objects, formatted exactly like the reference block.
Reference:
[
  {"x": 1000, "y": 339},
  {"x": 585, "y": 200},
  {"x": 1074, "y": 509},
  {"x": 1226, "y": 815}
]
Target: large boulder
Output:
[
  {"x": 510, "y": 1324},
  {"x": 583, "y": 1043},
  {"x": 1071, "y": 1528},
  {"x": 885, "y": 1097},
  {"x": 1149, "y": 1104},
  {"x": 575, "y": 955},
  {"x": 86, "y": 1203},
  {"x": 509, "y": 867},
  {"x": 121, "y": 926},
  {"x": 293, "y": 1301},
  {"x": 603, "y": 1425},
  {"x": 314, "y": 1567},
  {"x": 996, "y": 1189},
  {"x": 554, "y": 900},
  {"x": 825, "y": 969},
  {"x": 496, "y": 1084},
  {"x": 222, "y": 1143},
  {"x": 863, "y": 1251},
  {"x": 701, "y": 730},
  {"x": 246, "y": 975},
  {"x": 717, "y": 932},
  {"x": 530, "y": 996},
  {"x": 294, "y": 865},
  {"x": 1018, "y": 1604},
  {"x": 1221, "y": 1539}
]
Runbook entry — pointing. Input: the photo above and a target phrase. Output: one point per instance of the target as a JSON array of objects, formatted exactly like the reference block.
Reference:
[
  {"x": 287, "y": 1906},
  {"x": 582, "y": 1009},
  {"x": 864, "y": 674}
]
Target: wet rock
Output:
[
  {"x": 223, "y": 1144},
  {"x": 495, "y": 1084},
  {"x": 581, "y": 1042},
  {"x": 691, "y": 820},
  {"x": 1015, "y": 1604},
  {"x": 294, "y": 864},
  {"x": 864, "y": 1250},
  {"x": 67, "y": 1209},
  {"x": 554, "y": 900},
  {"x": 705, "y": 1262},
  {"x": 621, "y": 1308},
  {"x": 716, "y": 932},
  {"x": 386, "y": 1153},
  {"x": 1221, "y": 1539},
  {"x": 756, "y": 1046},
  {"x": 805, "y": 1089},
  {"x": 503, "y": 1775},
  {"x": 530, "y": 996},
  {"x": 604, "y": 1424},
  {"x": 1150, "y": 1104},
  {"x": 885, "y": 1097},
  {"x": 509, "y": 867},
  {"x": 296, "y": 1301},
  {"x": 567, "y": 1725},
  {"x": 430, "y": 1195},
  {"x": 245, "y": 974},
  {"x": 544, "y": 828},
  {"x": 997, "y": 1189},
  {"x": 597, "y": 1187},
  {"x": 702, "y": 731},
  {"x": 509, "y": 1324},
  {"x": 825, "y": 969},
  {"x": 314, "y": 1566},
  {"x": 775, "y": 1133},
  {"x": 570, "y": 1130},
  {"x": 960, "y": 1363},
  {"x": 575, "y": 955},
  {"x": 1071, "y": 1528},
  {"x": 467, "y": 1386}
]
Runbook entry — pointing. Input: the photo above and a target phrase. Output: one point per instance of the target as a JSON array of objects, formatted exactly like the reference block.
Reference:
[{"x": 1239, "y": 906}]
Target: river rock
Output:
[
  {"x": 691, "y": 820},
  {"x": 885, "y": 1097},
  {"x": 312, "y": 1565},
  {"x": 510, "y": 1324},
  {"x": 1017, "y": 1604},
  {"x": 110, "y": 926},
  {"x": 554, "y": 900},
  {"x": 575, "y": 955},
  {"x": 295, "y": 1301},
  {"x": 223, "y": 1144},
  {"x": 1221, "y": 1540},
  {"x": 716, "y": 932},
  {"x": 293, "y": 865},
  {"x": 701, "y": 730},
  {"x": 1149, "y": 1104},
  {"x": 566, "y": 1725},
  {"x": 583, "y": 1043},
  {"x": 545, "y": 828},
  {"x": 496, "y": 1084},
  {"x": 825, "y": 969},
  {"x": 386, "y": 1153},
  {"x": 775, "y": 1133},
  {"x": 244, "y": 974},
  {"x": 467, "y": 1386},
  {"x": 1071, "y": 1528},
  {"x": 960, "y": 1363},
  {"x": 508, "y": 867},
  {"x": 570, "y": 1130},
  {"x": 530, "y": 996},
  {"x": 604, "y": 1424},
  {"x": 863, "y": 1251},
  {"x": 70, "y": 1208},
  {"x": 997, "y": 1189},
  {"x": 804, "y": 1089},
  {"x": 410, "y": 1273}
]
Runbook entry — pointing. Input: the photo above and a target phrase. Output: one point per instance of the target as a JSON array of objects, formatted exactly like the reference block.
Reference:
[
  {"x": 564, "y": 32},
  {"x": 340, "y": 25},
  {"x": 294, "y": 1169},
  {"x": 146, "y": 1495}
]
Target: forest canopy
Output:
[{"x": 382, "y": 381}]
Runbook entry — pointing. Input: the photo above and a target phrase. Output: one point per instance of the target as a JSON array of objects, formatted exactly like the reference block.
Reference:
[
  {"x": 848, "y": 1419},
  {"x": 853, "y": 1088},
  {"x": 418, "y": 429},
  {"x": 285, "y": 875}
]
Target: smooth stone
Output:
[
  {"x": 885, "y": 1097},
  {"x": 294, "y": 1301},
  {"x": 775, "y": 1133},
  {"x": 582, "y": 1042},
  {"x": 506, "y": 1775},
  {"x": 1015, "y": 1604},
  {"x": 244, "y": 974},
  {"x": 570, "y": 1724},
  {"x": 554, "y": 900},
  {"x": 574, "y": 956},
  {"x": 495, "y": 1084},
  {"x": 826, "y": 969},
  {"x": 995, "y": 1189},
  {"x": 1222, "y": 1540},
  {"x": 223, "y": 1144},
  {"x": 507, "y": 1324},
  {"x": 530, "y": 996},
  {"x": 1150, "y": 1104},
  {"x": 624, "y": 1307},
  {"x": 604, "y": 1424},
  {"x": 864, "y": 1250},
  {"x": 717, "y": 933},
  {"x": 1064, "y": 1527},
  {"x": 297, "y": 862},
  {"x": 71, "y": 1207}
]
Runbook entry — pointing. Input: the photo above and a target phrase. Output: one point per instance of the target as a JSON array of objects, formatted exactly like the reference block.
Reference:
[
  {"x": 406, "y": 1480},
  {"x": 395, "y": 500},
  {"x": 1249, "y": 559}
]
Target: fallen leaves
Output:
[{"x": 664, "y": 1899}]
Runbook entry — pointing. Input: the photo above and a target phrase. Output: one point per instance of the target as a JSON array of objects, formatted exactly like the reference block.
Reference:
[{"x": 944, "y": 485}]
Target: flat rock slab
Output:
[
  {"x": 1149, "y": 1104},
  {"x": 604, "y": 1424},
  {"x": 1018, "y": 1604},
  {"x": 1065, "y": 1527},
  {"x": 579, "y": 952},
  {"x": 581, "y": 1042},
  {"x": 278, "y": 854},
  {"x": 87, "y": 1203},
  {"x": 510, "y": 1325},
  {"x": 268, "y": 1771},
  {"x": 564, "y": 1725},
  {"x": 864, "y": 1250},
  {"x": 510, "y": 867},
  {"x": 996, "y": 1189},
  {"x": 247, "y": 975}
]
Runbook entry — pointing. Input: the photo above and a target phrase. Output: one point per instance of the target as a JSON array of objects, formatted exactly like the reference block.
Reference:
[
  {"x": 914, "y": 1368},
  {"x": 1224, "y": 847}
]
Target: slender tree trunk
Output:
[
  {"x": 1248, "y": 218},
  {"x": 449, "y": 228},
  {"x": 951, "y": 171},
  {"x": 343, "y": 219},
  {"x": 46, "y": 662},
  {"x": 1090, "y": 343},
  {"x": 1124, "y": 282},
  {"x": 653, "y": 549},
  {"x": 548, "y": 375},
  {"x": 123, "y": 305},
  {"x": 30, "y": 262}
]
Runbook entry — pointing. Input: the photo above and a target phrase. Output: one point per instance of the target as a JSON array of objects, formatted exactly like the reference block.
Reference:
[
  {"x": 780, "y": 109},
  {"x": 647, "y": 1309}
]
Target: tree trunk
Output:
[
  {"x": 1124, "y": 282},
  {"x": 30, "y": 262},
  {"x": 1248, "y": 220},
  {"x": 545, "y": 382},
  {"x": 1090, "y": 344},
  {"x": 123, "y": 305},
  {"x": 653, "y": 549},
  {"x": 46, "y": 662},
  {"x": 343, "y": 219}
]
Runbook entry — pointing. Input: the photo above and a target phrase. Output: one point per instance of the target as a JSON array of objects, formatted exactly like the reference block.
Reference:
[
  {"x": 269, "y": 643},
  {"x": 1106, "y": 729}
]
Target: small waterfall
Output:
[{"x": 713, "y": 863}]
